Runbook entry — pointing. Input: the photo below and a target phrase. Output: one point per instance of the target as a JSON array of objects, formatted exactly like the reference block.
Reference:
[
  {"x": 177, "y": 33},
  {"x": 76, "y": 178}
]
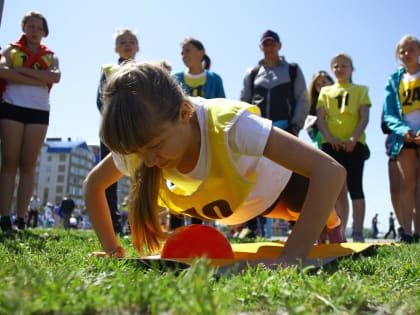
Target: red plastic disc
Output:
[{"x": 197, "y": 240}]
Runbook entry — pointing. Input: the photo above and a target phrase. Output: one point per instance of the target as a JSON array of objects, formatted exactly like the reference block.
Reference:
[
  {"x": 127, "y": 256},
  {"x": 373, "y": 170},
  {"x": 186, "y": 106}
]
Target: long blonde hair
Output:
[
  {"x": 313, "y": 92},
  {"x": 138, "y": 98}
]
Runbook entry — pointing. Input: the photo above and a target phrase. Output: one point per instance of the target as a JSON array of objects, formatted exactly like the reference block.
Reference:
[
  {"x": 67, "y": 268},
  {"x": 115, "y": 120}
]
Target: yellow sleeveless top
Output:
[{"x": 224, "y": 189}]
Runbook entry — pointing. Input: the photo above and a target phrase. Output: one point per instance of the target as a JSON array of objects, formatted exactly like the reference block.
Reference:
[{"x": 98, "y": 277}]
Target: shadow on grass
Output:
[{"x": 336, "y": 264}]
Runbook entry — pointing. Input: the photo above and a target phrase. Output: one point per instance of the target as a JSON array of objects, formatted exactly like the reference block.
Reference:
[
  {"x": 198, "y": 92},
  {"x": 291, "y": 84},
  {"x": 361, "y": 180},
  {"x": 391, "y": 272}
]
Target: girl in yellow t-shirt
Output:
[{"x": 343, "y": 114}]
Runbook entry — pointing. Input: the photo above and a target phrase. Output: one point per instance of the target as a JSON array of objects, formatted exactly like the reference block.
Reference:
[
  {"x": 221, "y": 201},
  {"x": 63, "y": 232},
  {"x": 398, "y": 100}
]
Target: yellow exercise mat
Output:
[
  {"x": 271, "y": 250},
  {"x": 199, "y": 240}
]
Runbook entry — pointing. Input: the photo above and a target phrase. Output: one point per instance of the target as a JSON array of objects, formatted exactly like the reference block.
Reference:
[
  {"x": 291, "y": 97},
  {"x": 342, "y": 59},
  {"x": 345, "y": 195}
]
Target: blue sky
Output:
[{"x": 312, "y": 32}]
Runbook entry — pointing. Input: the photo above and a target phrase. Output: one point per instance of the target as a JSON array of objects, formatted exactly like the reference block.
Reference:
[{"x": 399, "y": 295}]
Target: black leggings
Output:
[{"x": 354, "y": 163}]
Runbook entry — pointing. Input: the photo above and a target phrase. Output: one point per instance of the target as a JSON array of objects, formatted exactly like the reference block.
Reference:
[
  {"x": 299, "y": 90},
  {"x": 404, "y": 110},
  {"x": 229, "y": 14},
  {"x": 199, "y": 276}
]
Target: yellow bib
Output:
[{"x": 224, "y": 189}]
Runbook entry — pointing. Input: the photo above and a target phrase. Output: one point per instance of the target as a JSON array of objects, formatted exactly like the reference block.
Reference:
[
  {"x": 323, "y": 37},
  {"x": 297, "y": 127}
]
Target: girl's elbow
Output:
[
  {"x": 88, "y": 185},
  {"x": 340, "y": 171},
  {"x": 85, "y": 186}
]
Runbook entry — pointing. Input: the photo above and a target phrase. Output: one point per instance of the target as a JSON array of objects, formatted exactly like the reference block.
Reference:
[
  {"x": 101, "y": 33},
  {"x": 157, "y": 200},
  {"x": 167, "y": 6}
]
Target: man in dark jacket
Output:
[{"x": 67, "y": 208}]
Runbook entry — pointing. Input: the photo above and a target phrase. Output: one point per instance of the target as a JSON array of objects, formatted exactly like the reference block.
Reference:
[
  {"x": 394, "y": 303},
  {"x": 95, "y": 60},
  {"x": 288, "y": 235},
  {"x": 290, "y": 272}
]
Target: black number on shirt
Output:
[
  {"x": 217, "y": 209},
  {"x": 339, "y": 99},
  {"x": 411, "y": 96}
]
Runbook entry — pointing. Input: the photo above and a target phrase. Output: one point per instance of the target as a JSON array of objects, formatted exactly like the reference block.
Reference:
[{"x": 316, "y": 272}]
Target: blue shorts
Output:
[{"x": 23, "y": 114}]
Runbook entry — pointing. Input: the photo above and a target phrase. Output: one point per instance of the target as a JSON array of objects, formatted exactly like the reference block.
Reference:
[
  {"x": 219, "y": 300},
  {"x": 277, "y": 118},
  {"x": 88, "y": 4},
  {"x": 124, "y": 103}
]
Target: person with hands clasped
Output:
[
  {"x": 29, "y": 69},
  {"x": 215, "y": 159},
  {"x": 402, "y": 117},
  {"x": 343, "y": 114},
  {"x": 318, "y": 81}
]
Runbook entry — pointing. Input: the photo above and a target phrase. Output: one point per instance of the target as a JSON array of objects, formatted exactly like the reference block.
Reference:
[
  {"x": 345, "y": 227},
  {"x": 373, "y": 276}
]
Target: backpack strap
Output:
[
  {"x": 252, "y": 76},
  {"x": 293, "y": 75}
]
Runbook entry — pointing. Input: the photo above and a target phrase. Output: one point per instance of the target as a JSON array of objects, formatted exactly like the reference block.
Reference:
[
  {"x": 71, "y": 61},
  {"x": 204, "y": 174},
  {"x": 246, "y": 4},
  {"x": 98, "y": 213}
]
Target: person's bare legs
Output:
[
  {"x": 33, "y": 138},
  {"x": 359, "y": 207},
  {"x": 20, "y": 146},
  {"x": 395, "y": 189},
  {"x": 417, "y": 197},
  {"x": 407, "y": 164},
  {"x": 342, "y": 208},
  {"x": 11, "y": 135}
]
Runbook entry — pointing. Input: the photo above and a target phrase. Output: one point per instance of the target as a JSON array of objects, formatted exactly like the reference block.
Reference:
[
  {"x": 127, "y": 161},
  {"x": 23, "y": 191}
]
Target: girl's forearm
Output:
[
  {"x": 324, "y": 188},
  {"x": 43, "y": 76},
  {"x": 12, "y": 76},
  {"x": 100, "y": 218}
]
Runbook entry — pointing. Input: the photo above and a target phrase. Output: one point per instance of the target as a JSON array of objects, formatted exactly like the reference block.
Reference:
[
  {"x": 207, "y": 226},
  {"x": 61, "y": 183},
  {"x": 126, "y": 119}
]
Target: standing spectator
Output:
[
  {"x": 394, "y": 175},
  {"x": 196, "y": 80},
  {"x": 67, "y": 208},
  {"x": 126, "y": 46},
  {"x": 48, "y": 215},
  {"x": 278, "y": 88},
  {"x": 29, "y": 69},
  {"x": 375, "y": 226},
  {"x": 391, "y": 226},
  {"x": 319, "y": 80},
  {"x": 34, "y": 207},
  {"x": 343, "y": 114},
  {"x": 402, "y": 117}
]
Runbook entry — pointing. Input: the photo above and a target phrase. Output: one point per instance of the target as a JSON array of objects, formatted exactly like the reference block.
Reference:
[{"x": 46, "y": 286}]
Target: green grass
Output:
[{"x": 49, "y": 272}]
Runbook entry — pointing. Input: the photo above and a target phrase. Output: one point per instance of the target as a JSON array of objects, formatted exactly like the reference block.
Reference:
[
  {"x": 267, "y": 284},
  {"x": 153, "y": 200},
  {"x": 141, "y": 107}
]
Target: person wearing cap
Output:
[{"x": 277, "y": 87}]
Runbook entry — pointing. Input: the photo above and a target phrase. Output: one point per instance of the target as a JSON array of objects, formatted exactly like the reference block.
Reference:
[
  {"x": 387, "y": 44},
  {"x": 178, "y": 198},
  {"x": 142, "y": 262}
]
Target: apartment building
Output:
[{"x": 62, "y": 166}]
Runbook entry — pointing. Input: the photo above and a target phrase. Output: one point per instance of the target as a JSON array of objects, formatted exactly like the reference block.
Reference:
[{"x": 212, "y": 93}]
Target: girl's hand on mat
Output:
[{"x": 117, "y": 252}]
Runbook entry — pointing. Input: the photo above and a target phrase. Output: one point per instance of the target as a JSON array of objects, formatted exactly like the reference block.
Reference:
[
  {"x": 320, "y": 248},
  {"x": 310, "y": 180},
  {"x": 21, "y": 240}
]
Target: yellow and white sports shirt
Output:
[{"x": 232, "y": 181}]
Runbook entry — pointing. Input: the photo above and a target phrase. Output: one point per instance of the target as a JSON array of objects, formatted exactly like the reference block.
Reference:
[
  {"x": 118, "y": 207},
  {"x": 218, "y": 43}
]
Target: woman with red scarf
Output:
[{"x": 28, "y": 69}]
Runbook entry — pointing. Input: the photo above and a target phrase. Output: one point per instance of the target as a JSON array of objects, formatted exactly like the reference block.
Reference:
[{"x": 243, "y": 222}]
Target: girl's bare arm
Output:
[
  {"x": 326, "y": 180},
  {"x": 98, "y": 180}
]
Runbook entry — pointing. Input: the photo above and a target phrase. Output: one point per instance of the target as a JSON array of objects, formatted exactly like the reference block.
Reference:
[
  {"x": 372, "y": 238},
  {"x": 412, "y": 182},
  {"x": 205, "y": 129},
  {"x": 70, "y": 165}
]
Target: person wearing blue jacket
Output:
[
  {"x": 402, "y": 117},
  {"x": 197, "y": 79}
]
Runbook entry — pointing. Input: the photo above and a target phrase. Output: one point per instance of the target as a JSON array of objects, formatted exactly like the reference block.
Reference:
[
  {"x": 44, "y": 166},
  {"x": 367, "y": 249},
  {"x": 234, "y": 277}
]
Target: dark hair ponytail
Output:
[
  {"x": 207, "y": 62},
  {"x": 199, "y": 45}
]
